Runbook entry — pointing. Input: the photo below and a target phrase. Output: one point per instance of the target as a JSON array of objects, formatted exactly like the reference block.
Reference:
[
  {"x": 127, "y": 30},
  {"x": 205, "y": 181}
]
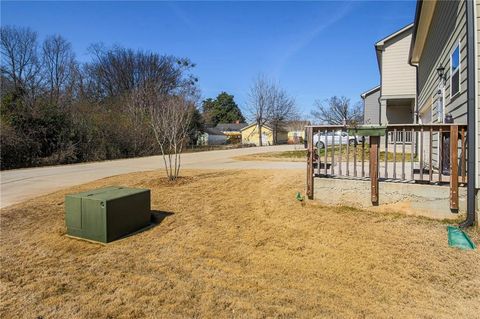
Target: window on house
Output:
[{"x": 455, "y": 71}]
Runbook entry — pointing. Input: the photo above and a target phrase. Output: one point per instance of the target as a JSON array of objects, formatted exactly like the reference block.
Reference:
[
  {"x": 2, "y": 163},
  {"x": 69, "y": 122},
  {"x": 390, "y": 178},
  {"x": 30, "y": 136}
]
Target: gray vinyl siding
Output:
[
  {"x": 448, "y": 28},
  {"x": 398, "y": 77},
  {"x": 371, "y": 108}
]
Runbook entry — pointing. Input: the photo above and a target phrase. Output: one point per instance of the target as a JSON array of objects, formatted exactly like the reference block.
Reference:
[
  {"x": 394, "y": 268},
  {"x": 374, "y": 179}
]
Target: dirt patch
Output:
[
  {"x": 162, "y": 181},
  {"x": 235, "y": 244}
]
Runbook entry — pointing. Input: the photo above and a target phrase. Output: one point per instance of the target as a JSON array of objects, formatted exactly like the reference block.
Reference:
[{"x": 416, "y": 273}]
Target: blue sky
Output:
[{"x": 314, "y": 49}]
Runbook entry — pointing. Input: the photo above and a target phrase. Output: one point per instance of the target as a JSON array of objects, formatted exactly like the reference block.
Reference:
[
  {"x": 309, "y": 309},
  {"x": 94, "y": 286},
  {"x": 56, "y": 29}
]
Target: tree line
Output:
[
  {"x": 120, "y": 103},
  {"x": 55, "y": 109}
]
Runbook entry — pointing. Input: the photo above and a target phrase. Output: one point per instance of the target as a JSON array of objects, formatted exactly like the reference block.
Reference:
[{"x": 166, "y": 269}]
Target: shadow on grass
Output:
[{"x": 157, "y": 216}]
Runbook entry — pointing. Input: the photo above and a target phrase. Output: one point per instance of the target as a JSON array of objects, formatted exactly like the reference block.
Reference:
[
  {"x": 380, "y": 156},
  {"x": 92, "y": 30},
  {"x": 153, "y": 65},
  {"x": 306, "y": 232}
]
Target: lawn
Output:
[
  {"x": 301, "y": 155},
  {"x": 288, "y": 156},
  {"x": 235, "y": 244}
]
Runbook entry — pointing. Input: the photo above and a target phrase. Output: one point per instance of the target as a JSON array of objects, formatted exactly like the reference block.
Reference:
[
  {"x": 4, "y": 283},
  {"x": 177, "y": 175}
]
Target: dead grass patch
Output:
[
  {"x": 163, "y": 181},
  {"x": 234, "y": 244},
  {"x": 286, "y": 156},
  {"x": 301, "y": 155}
]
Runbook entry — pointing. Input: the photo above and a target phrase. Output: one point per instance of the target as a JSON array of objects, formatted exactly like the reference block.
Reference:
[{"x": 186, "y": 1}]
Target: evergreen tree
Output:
[{"x": 223, "y": 109}]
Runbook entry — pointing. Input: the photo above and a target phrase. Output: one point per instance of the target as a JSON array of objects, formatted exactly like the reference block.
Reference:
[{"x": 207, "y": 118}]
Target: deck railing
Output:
[
  {"x": 400, "y": 137},
  {"x": 408, "y": 153}
]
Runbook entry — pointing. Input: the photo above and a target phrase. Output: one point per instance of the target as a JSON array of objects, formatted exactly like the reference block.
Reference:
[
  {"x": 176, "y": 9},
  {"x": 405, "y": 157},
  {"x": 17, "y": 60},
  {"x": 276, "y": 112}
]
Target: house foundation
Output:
[{"x": 430, "y": 201}]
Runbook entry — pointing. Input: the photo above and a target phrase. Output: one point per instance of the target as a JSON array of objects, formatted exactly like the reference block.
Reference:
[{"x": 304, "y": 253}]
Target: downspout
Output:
[
  {"x": 418, "y": 10},
  {"x": 380, "y": 96},
  {"x": 470, "y": 220},
  {"x": 380, "y": 104},
  {"x": 417, "y": 111},
  {"x": 417, "y": 115}
]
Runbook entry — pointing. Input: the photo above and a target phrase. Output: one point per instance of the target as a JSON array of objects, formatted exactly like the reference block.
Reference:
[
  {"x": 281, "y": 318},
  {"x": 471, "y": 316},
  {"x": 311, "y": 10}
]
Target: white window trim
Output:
[{"x": 459, "y": 70}]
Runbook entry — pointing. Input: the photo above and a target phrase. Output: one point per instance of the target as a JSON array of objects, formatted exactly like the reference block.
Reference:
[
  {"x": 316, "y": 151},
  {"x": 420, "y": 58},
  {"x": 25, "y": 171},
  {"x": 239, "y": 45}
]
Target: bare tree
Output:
[
  {"x": 270, "y": 104},
  {"x": 260, "y": 103},
  {"x": 139, "y": 132},
  {"x": 283, "y": 109},
  {"x": 59, "y": 65},
  {"x": 19, "y": 61},
  {"x": 169, "y": 117},
  {"x": 338, "y": 111},
  {"x": 170, "y": 120},
  {"x": 116, "y": 71},
  {"x": 118, "y": 104}
]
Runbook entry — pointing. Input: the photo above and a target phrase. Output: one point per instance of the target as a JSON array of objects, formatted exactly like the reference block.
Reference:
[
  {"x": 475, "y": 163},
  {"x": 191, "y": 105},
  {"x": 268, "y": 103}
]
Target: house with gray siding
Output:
[
  {"x": 397, "y": 78},
  {"x": 371, "y": 106},
  {"x": 444, "y": 49},
  {"x": 394, "y": 100}
]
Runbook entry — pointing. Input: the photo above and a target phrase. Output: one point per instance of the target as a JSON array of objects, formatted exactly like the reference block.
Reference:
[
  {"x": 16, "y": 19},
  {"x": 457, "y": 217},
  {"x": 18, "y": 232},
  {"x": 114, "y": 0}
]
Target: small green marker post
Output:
[{"x": 299, "y": 197}]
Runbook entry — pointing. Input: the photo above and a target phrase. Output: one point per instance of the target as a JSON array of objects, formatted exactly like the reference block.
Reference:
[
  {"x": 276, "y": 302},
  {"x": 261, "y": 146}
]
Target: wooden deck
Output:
[{"x": 410, "y": 153}]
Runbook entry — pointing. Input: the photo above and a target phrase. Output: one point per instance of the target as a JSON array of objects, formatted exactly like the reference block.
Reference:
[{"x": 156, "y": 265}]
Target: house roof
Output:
[
  {"x": 229, "y": 127},
  {"x": 371, "y": 91},
  {"x": 394, "y": 35},
  {"x": 213, "y": 131},
  {"x": 250, "y": 125},
  {"x": 423, "y": 18},
  {"x": 381, "y": 43},
  {"x": 286, "y": 126}
]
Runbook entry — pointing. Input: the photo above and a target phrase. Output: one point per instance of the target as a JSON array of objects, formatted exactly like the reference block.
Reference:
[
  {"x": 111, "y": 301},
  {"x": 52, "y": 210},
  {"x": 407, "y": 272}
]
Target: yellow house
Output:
[
  {"x": 250, "y": 135},
  {"x": 296, "y": 131}
]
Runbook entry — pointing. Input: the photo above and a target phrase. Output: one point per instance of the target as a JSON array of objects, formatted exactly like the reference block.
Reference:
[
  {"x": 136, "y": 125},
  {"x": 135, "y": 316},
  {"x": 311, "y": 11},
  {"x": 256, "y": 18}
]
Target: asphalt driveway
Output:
[{"x": 21, "y": 184}]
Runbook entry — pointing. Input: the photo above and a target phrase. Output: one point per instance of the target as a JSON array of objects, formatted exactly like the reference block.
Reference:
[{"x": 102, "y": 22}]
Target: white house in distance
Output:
[{"x": 212, "y": 136}]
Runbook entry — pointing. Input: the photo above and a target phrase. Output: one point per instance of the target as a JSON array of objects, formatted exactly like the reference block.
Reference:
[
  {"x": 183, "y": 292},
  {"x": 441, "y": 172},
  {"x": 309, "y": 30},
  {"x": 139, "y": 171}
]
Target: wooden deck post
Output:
[
  {"x": 310, "y": 157},
  {"x": 374, "y": 144},
  {"x": 454, "y": 167}
]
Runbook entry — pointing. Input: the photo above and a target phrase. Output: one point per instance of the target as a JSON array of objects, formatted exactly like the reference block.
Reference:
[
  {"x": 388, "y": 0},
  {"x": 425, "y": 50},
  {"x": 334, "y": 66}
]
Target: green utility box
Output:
[
  {"x": 107, "y": 214},
  {"x": 368, "y": 130}
]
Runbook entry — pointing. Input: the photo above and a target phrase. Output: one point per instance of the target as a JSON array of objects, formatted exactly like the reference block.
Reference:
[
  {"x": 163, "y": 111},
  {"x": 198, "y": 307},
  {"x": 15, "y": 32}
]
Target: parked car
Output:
[{"x": 335, "y": 138}]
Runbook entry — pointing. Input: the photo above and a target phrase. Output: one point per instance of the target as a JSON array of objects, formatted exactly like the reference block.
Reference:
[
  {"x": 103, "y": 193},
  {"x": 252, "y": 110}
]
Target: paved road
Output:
[{"x": 22, "y": 184}]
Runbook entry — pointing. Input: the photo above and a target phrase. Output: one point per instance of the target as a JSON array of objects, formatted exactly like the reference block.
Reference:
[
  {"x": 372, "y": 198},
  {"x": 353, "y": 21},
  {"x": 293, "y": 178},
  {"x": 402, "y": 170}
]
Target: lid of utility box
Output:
[
  {"x": 93, "y": 192},
  {"x": 109, "y": 193}
]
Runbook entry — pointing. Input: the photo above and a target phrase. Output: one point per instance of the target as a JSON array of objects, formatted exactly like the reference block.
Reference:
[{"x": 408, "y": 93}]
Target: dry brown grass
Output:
[
  {"x": 237, "y": 245},
  {"x": 285, "y": 156},
  {"x": 301, "y": 156}
]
